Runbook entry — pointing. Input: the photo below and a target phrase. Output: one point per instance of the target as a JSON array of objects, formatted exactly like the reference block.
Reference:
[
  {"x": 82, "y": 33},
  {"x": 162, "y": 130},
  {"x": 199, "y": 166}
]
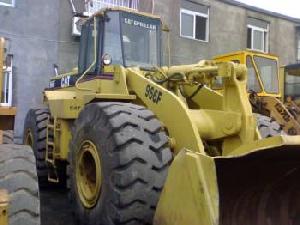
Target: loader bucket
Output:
[{"x": 260, "y": 186}]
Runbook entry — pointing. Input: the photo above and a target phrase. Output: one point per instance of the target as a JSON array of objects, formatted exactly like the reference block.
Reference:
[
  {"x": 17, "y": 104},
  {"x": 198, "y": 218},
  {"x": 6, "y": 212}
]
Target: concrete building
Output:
[
  {"x": 204, "y": 28},
  {"x": 40, "y": 34}
]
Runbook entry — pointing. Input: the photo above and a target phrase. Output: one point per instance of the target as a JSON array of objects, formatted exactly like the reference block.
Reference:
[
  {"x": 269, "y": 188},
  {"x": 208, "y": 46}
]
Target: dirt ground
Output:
[{"x": 55, "y": 208}]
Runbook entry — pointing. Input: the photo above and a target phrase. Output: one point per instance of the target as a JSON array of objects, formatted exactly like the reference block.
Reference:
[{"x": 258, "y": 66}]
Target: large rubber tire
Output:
[
  {"x": 135, "y": 157},
  {"x": 18, "y": 176},
  {"x": 36, "y": 122},
  {"x": 268, "y": 127},
  {"x": 8, "y": 137}
]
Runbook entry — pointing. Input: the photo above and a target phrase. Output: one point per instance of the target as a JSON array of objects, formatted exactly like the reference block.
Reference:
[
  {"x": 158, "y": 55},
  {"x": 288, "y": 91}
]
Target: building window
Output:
[
  {"x": 298, "y": 50},
  {"x": 297, "y": 45},
  {"x": 194, "y": 25},
  {"x": 7, "y": 3},
  {"x": 258, "y": 35}
]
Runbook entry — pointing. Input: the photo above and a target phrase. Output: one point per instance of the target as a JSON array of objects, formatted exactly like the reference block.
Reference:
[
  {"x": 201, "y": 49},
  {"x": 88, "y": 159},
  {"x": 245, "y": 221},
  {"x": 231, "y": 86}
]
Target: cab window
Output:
[
  {"x": 87, "y": 54},
  {"x": 268, "y": 71},
  {"x": 252, "y": 83},
  {"x": 112, "y": 38}
]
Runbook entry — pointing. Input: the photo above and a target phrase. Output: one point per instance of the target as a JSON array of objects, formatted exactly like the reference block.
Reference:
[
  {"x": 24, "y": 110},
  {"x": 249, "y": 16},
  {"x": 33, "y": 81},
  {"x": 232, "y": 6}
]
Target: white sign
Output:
[{"x": 140, "y": 24}]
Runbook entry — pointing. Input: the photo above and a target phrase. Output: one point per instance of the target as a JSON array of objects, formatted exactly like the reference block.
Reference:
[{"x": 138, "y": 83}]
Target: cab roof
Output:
[
  {"x": 248, "y": 52},
  {"x": 123, "y": 9}
]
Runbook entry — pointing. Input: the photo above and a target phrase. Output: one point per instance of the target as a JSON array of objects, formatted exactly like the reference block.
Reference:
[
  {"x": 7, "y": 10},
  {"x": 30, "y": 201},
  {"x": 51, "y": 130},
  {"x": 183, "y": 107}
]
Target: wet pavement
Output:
[{"x": 55, "y": 207}]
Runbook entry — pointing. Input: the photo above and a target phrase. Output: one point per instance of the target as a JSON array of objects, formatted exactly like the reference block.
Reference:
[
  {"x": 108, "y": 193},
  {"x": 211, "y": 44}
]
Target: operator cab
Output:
[
  {"x": 120, "y": 37},
  {"x": 292, "y": 81},
  {"x": 263, "y": 76}
]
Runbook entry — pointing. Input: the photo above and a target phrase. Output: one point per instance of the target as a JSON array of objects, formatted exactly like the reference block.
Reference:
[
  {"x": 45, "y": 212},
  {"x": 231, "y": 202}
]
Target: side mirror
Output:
[
  {"x": 106, "y": 59},
  {"x": 55, "y": 67}
]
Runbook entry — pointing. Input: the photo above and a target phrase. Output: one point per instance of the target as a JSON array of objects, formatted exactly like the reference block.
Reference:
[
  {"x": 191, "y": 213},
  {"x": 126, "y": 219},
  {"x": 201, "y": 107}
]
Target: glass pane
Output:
[
  {"x": 298, "y": 50},
  {"x": 9, "y": 2},
  {"x": 258, "y": 23},
  {"x": 268, "y": 71},
  {"x": 266, "y": 41},
  {"x": 187, "y": 24},
  {"x": 201, "y": 28},
  {"x": 252, "y": 83},
  {"x": 112, "y": 38},
  {"x": 83, "y": 43},
  {"x": 193, "y": 6},
  {"x": 249, "y": 38},
  {"x": 292, "y": 86},
  {"x": 90, "y": 56},
  {"x": 258, "y": 40},
  {"x": 140, "y": 41}
]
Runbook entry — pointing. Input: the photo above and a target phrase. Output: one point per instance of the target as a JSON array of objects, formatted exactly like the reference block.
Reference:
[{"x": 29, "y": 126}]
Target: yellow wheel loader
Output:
[
  {"x": 147, "y": 144},
  {"x": 291, "y": 79},
  {"x": 265, "y": 85},
  {"x": 19, "y": 192}
]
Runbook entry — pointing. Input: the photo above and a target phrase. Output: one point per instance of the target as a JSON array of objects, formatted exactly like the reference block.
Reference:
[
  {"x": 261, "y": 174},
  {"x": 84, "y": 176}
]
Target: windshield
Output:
[
  {"x": 132, "y": 40},
  {"x": 268, "y": 71},
  {"x": 140, "y": 36}
]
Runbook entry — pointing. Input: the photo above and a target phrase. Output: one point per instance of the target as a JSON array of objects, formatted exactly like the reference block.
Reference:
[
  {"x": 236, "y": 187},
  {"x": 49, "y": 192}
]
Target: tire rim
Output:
[
  {"x": 88, "y": 174},
  {"x": 29, "y": 138}
]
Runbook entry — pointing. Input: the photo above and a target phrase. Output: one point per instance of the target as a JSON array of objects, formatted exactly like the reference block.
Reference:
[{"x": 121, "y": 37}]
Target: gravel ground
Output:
[{"x": 55, "y": 207}]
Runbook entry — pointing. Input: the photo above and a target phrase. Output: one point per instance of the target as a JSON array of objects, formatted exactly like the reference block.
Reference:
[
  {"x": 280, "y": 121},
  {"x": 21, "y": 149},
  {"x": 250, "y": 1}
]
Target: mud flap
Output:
[{"x": 260, "y": 186}]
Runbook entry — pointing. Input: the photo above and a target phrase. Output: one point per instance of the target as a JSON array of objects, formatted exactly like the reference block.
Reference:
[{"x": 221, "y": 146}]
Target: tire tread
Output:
[{"x": 139, "y": 158}]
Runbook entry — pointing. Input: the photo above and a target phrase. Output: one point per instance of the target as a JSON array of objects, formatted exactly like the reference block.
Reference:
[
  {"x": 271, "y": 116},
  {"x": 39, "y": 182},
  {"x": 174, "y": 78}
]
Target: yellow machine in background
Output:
[
  {"x": 266, "y": 87},
  {"x": 290, "y": 74},
  {"x": 146, "y": 144},
  {"x": 19, "y": 192}
]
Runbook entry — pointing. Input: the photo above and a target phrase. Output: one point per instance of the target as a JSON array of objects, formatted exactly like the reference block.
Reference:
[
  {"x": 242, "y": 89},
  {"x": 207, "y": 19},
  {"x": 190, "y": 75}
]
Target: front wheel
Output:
[{"x": 119, "y": 159}]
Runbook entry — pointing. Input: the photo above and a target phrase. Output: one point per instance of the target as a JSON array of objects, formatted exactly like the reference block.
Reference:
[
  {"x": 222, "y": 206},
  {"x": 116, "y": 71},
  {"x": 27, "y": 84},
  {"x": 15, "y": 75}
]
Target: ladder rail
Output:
[{"x": 50, "y": 150}]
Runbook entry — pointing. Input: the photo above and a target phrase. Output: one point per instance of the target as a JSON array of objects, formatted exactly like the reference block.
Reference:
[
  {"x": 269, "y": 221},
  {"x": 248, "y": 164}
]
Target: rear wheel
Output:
[
  {"x": 18, "y": 176},
  {"x": 35, "y": 131},
  {"x": 119, "y": 160},
  {"x": 268, "y": 127}
]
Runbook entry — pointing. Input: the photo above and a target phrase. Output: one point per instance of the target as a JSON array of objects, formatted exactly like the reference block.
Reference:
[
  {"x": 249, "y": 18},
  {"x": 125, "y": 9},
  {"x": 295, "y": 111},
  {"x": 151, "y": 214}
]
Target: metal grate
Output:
[{"x": 93, "y": 6}]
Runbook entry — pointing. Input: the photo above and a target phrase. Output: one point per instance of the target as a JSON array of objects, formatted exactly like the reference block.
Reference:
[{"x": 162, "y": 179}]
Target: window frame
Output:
[
  {"x": 194, "y": 14},
  {"x": 261, "y": 77},
  {"x": 13, "y": 2},
  {"x": 256, "y": 74},
  {"x": 298, "y": 48},
  {"x": 84, "y": 46},
  {"x": 265, "y": 37}
]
